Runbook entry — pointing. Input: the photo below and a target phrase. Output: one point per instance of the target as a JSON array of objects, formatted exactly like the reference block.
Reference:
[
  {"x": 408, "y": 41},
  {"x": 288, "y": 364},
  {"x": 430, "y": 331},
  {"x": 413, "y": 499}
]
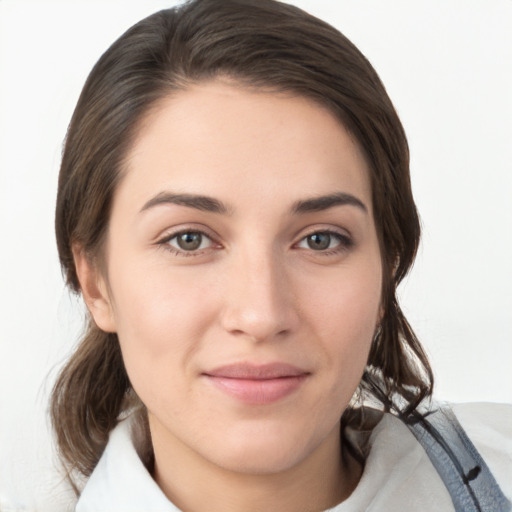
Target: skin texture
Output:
[{"x": 255, "y": 291}]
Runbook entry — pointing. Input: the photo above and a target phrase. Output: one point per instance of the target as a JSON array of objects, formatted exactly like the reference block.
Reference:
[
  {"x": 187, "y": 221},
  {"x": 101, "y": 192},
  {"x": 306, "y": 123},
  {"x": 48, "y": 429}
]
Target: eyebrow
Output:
[
  {"x": 210, "y": 204},
  {"x": 320, "y": 203},
  {"x": 204, "y": 203}
]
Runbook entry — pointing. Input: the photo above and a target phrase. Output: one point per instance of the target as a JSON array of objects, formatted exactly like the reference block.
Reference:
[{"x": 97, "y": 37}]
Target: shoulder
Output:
[
  {"x": 482, "y": 418},
  {"x": 489, "y": 426},
  {"x": 399, "y": 474}
]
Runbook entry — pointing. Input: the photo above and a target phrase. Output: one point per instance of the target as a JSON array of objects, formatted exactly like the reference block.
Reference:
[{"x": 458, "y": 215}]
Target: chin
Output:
[
  {"x": 262, "y": 452},
  {"x": 260, "y": 462}
]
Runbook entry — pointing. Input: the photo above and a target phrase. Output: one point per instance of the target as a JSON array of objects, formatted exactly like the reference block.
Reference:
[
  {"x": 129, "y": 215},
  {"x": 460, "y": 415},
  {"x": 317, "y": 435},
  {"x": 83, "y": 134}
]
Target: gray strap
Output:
[{"x": 465, "y": 474}]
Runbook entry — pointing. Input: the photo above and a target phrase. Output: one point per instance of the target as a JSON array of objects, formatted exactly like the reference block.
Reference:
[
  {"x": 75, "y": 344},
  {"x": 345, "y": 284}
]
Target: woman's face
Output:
[{"x": 243, "y": 276}]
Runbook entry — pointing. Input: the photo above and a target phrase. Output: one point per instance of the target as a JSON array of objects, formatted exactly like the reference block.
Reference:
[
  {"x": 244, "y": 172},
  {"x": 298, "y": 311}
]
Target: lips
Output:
[{"x": 257, "y": 384}]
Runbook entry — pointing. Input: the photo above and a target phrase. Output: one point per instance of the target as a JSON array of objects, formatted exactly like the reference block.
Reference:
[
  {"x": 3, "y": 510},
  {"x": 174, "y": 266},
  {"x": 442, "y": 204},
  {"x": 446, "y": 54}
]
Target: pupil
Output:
[
  {"x": 189, "y": 241},
  {"x": 319, "y": 241}
]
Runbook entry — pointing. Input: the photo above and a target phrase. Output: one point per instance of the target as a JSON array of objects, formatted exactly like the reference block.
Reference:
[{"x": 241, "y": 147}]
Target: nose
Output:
[{"x": 259, "y": 302}]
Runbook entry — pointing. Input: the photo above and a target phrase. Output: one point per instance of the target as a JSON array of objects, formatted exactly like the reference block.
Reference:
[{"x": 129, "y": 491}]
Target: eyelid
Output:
[
  {"x": 344, "y": 237},
  {"x": 168, "y": 235},
  {"x": 323, "y": 228}
]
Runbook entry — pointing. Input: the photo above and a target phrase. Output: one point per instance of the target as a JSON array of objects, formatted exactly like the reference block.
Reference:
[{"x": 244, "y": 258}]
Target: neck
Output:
[{"x": 322, "y": 480}]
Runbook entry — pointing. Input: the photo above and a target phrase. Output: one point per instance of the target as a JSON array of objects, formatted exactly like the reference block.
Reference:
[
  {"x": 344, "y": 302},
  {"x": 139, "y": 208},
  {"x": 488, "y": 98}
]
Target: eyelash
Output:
[
  {"x": 345, "y": 242},
  {"x": 164, "y": 242}
]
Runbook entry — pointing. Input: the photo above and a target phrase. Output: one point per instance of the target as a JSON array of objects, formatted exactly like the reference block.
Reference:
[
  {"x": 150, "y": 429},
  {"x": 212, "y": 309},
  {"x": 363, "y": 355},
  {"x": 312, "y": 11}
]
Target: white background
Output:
[{"x": 447, "y": 65}]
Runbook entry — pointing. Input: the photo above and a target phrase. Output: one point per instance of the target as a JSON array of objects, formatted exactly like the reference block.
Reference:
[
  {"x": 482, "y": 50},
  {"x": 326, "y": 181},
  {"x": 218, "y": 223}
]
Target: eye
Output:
[
  {"x": 325, "y": 241},
  {"x": 319, "y": 241},
  {"x": 188, "y": 241}
]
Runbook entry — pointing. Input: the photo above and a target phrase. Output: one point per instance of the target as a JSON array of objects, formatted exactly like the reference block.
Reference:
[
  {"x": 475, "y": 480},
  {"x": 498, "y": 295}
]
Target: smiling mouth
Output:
[{"x": 257, "y": 384}]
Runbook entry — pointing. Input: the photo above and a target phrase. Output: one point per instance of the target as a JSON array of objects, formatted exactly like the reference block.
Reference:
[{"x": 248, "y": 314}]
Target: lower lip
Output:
[{"x": 258, "y": 391}]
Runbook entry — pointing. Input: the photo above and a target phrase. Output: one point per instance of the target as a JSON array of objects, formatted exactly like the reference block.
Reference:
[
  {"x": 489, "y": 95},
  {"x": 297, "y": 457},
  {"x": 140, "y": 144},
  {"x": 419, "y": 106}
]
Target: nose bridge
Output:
[{"x": 258, "y": 301}]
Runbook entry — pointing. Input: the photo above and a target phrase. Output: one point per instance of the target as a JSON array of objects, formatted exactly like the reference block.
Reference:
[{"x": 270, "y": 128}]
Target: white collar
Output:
[
  {"x": 396, "y": 471},
  {"x": 120, "y": 481}
]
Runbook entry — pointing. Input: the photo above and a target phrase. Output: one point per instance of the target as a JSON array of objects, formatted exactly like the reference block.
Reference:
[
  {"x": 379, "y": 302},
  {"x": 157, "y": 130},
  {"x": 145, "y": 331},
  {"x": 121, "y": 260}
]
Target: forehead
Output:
[{"x": 229, "y": 142}]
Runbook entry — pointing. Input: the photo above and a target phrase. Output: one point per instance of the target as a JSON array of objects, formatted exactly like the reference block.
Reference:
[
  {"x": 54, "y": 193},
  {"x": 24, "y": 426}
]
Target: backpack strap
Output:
[{"x": 469, "y": 481}]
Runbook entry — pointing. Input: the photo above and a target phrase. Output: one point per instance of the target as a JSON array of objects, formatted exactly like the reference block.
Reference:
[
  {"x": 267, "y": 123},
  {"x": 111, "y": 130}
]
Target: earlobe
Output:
[{"x": 94, "y": 290}]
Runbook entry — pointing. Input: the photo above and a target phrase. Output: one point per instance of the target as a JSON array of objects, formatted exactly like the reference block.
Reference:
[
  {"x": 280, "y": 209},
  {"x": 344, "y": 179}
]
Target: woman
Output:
[{"x": 234, "y": 206}]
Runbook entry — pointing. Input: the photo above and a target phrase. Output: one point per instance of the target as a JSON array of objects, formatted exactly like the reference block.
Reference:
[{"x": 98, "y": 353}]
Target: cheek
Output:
[
  {"x": 160, "y": 319},
  {"x": 347, "y": 305},
  {"x": 345, "y": 314},
  {"x": 154, "y": 304}
]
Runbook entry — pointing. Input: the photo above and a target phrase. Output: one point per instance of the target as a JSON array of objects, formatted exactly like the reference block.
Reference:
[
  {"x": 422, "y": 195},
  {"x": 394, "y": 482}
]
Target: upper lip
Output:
[{"x": 256, "y": 371}]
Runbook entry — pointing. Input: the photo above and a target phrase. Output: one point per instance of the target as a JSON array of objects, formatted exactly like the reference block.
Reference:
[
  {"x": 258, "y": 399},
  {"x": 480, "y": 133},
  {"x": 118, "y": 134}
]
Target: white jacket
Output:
[{"x": 398, "y": 474}]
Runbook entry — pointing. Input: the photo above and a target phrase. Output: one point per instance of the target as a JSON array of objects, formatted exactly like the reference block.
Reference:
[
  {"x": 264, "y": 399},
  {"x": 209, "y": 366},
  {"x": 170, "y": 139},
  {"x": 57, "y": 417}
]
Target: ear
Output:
[{"x": 94, "y": 290}]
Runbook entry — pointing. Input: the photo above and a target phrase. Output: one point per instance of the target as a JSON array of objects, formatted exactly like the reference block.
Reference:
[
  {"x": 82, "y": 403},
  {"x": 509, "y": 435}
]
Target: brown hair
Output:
[{"x": 258, "y": 43}]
